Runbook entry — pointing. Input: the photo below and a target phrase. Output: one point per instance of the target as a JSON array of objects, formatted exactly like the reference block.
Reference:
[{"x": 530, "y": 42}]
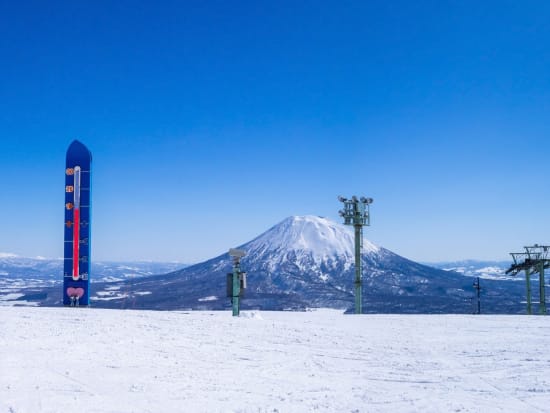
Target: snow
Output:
[
  {"x": 10, "y": 297},
  {"x": 482, "y": 269},
  {"x": 311, "y": 234},
  {"x": 108, "y": 296},
  {"x": 209, "y": 298},
  {"x": 113, "y": 288},
  {"x": 487, "y": 273},
  {"x": 7, "y": 255},
  {"x": 62, "y": 359}
]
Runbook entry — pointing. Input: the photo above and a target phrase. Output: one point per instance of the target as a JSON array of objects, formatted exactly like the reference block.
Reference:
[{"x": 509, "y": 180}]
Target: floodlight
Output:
[
  {"x": 356, "y": 213},
  {"x": 236, "y": 253}
]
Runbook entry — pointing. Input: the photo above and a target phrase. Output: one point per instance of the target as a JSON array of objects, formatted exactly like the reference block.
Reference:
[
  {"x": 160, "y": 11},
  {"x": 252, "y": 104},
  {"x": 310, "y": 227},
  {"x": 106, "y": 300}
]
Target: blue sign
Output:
[{"x": 76, "y": 269}]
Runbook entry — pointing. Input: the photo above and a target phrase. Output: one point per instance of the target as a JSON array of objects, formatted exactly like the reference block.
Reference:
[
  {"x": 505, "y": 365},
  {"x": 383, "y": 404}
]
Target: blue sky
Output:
[{"x": 211, "y": 121}]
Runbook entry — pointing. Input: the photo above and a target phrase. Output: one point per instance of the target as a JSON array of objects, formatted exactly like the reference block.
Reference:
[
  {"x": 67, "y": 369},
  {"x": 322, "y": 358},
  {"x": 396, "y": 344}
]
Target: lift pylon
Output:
[{"x": 534, "y": 260}]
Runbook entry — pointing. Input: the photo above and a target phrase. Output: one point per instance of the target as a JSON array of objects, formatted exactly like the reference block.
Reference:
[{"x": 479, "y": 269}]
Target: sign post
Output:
[{"x": 236, "y": 280}]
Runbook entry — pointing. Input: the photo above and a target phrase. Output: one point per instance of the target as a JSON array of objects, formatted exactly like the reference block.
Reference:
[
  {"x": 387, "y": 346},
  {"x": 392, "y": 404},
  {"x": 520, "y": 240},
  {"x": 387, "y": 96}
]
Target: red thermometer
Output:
[{"x": 76, "y": 223}]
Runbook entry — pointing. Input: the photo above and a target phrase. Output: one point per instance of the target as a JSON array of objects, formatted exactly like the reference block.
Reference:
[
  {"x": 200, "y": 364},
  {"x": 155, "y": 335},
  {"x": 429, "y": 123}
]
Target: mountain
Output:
[
  {"x": 307, "y": 261},
  {"x": 300, "y": 263},
  {"x": 23, "y": 278},
  {"x": 476, "y": 268}
]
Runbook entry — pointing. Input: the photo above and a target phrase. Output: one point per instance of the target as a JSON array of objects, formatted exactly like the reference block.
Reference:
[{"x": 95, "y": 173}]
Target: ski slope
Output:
[{"x": 92, "y": 360}]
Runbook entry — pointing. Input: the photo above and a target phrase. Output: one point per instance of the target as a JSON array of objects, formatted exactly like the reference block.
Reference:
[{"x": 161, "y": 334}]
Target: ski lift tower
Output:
[
  {"x": 356, "y": 212},
  {"x": 534, "y": 260}
]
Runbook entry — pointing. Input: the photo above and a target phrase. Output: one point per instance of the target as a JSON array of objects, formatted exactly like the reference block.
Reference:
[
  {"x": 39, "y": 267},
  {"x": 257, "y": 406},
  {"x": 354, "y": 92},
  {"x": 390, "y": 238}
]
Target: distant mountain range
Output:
[
  {"x": 23, "y": 277},
  {"x": 476, "y": 268},
  {"x": 304, "y": 262}
]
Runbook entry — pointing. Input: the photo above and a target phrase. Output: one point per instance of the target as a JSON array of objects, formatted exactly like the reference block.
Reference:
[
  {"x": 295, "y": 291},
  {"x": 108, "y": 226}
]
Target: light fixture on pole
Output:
[{"x": 356, "y": 212}]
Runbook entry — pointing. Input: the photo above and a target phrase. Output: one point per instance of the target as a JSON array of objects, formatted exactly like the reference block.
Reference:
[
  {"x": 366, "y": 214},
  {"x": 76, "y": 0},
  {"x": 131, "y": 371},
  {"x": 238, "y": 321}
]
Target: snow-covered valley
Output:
[{"x": 97, "y": 360}]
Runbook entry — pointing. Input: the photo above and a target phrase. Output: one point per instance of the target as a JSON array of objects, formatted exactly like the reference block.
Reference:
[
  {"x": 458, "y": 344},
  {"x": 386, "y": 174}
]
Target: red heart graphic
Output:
[{"x": 75, "y": 292}]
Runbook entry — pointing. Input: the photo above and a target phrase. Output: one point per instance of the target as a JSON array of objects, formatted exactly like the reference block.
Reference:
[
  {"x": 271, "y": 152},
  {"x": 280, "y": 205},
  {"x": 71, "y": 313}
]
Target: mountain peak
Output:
[{"x": 318, "y": 236}]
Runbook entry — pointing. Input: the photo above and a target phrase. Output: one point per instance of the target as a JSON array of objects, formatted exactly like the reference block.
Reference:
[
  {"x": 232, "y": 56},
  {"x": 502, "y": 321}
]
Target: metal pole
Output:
[
  {"x": 528, "y": 281},
  {"x": 478, "y": 288},
  {"x": 236, "y": 288},
  {"x": 356, "y": 212},
  {"x": 358, "y": 284},
  {"x": 542, "y": 291},
  {"x": 478, "y": 297}
]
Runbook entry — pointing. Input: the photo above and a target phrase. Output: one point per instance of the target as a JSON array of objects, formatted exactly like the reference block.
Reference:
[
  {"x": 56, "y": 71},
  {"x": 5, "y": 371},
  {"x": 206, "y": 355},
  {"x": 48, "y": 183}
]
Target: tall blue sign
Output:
[{"x": 76, "y": 270}]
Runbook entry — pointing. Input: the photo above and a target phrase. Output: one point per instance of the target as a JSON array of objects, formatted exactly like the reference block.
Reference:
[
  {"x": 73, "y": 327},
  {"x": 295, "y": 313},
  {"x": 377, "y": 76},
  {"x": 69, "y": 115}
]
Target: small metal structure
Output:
[
  {"x": 356, "y": 212},
  {"x": 534, "y": 260},
  {"x": 236, "y": 281},
  {"x": 477, "y": 287}
]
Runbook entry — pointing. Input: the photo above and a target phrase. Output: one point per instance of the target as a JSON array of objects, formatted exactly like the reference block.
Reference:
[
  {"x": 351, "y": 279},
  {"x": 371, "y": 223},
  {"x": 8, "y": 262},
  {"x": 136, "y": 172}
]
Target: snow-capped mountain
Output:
[
  {"x": 475, "y": 268},
  {"x": 308, "y": 261},
  {"x": 308, "y": 236},
  {"x": 304, "y": 262}
]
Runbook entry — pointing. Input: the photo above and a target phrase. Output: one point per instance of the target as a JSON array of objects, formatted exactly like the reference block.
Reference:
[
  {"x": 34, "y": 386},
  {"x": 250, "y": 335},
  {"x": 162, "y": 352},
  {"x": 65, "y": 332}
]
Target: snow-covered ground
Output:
[{"x": 92, "y": 360}]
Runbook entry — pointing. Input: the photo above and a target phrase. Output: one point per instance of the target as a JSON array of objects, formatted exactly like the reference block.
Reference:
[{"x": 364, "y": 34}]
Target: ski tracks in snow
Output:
[{"x": 53, "y": 360}]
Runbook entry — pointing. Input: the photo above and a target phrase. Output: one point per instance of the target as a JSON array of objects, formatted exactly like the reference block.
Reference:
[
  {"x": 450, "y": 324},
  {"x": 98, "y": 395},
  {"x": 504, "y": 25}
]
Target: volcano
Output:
[{"x": 306, "y": 262}]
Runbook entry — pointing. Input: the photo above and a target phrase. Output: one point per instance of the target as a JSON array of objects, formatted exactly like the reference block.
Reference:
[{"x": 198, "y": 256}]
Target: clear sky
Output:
[{"x": 211, "y": 121}]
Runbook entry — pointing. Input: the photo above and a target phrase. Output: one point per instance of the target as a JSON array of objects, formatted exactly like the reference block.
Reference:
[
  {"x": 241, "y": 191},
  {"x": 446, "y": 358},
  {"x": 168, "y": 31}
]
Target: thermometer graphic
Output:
[
  {"x": 76, "y": 223},
  {"x": 77, "y": 226}
]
